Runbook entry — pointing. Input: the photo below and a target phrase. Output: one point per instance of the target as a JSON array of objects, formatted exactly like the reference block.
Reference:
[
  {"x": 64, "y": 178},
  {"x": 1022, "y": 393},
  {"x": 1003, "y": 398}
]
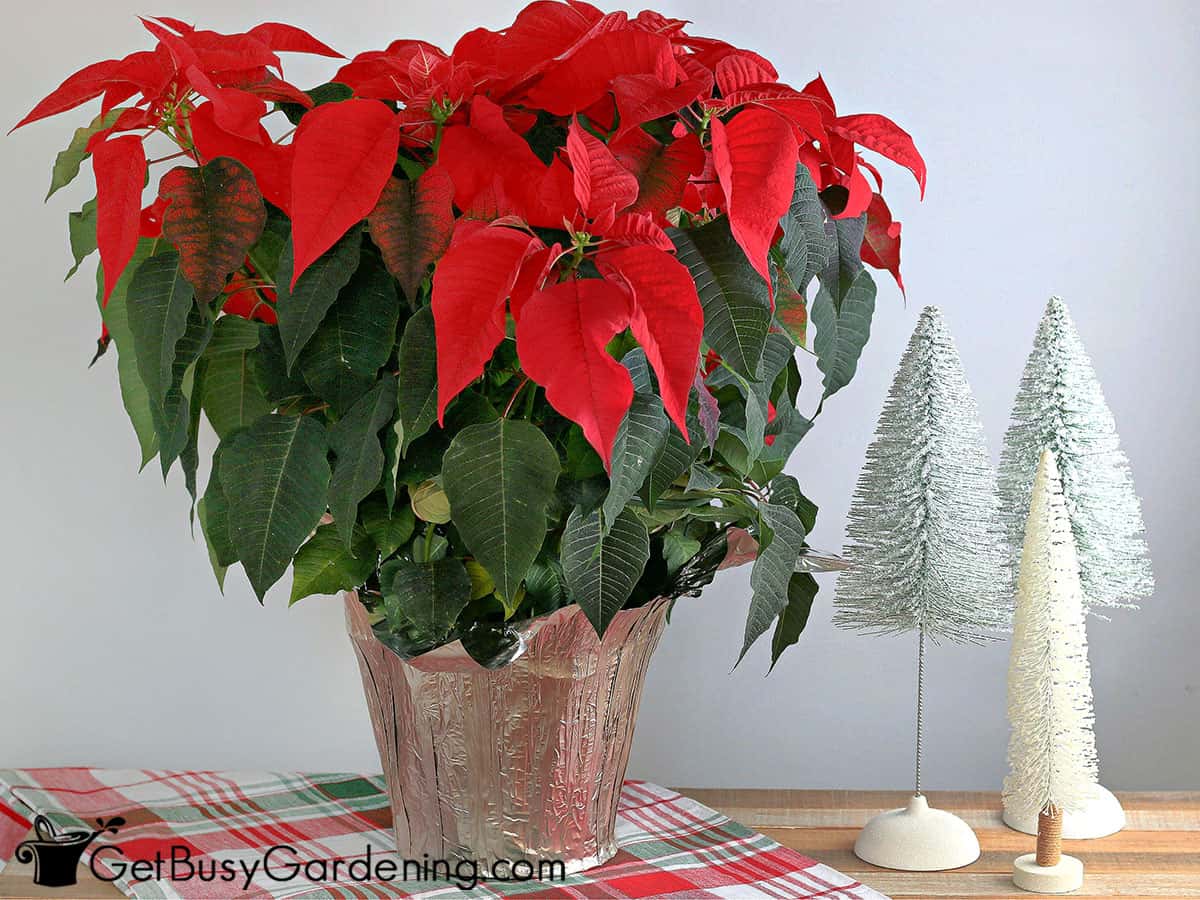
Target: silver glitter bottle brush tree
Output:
[
  {"x": 926, "y": 554},
  {"x": 1060, "y": 407}
]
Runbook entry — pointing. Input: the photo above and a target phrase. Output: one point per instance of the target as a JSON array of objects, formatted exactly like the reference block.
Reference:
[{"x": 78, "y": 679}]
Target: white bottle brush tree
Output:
[
  {"x": 1052, "y": 751},
  {"x": 925, "y": 542},
  {"x": 1060, "y": 406}
]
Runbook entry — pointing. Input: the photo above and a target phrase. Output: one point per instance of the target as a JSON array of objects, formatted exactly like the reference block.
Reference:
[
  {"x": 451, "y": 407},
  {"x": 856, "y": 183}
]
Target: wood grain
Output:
[{"x": 1157, "y": 855}]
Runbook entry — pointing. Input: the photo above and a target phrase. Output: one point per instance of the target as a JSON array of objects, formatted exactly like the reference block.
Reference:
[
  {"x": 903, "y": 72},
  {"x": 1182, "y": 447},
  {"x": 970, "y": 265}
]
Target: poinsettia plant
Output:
[{"x": 486, "y": 332}]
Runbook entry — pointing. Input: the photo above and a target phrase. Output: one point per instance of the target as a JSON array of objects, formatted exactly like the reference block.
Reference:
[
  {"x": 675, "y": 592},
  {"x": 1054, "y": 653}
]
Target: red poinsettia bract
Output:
[{"x": 536, "y": 169}]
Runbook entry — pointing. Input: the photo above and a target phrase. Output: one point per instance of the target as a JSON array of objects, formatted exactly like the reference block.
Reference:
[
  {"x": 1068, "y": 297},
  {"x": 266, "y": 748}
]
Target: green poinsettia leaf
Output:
[
  {"x": 169, "y": 333},
  {"x": 844, "y": 264},
  {"x": 678, "y": 550},
  {"x": 778, "y": 550},
  {"x": 134, "y": 395},
  {"x": 330, "y": 92},
  {"x": 638, "y": 444},
  {"x": 189, "y": 457},
  {"x": 275, "y": 475},
  {"x": 785, "y": 490},
  {"x": 214, "y": 519},
  {"x": 354, "y": 439},
  {"x": 232, "y": 397},
  {"x": 802, "y": 590},
  {"x": 302, "y": 309},
  {"x": 806, "y": 247},
  {"x": 777, "y": 353},
  {"x": 428, "y": 595},
  {"x": 81, "y": 229},
  {"x": 158, "y": 304},
  {"x": 737, "y": 308},
  {"x": 326, "y": 564},
  {"x": 500, "y": 477},
  {"x": 842, "y": 331},
  {"x": 786, "y": 431},
  {"x": 674, "y": 459},
  {"x": 601, "y": 570},
  {"x": 345, "y": 353},
  {"x": 270, "y": 366},
  {"x": 69, "y": 159},
  {"x": 418, "y": 390},
  {"x": 389, "y": 526},
  {"x": 544, "y": 591},
  {"x": 219, "y": 570}
]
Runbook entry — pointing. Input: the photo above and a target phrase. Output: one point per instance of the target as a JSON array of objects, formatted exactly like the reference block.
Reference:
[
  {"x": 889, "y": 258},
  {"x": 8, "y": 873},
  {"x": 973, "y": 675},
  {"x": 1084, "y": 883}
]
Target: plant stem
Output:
[
  {"x": 513, "y": 399},
  {"x": 428, "y": 543}
]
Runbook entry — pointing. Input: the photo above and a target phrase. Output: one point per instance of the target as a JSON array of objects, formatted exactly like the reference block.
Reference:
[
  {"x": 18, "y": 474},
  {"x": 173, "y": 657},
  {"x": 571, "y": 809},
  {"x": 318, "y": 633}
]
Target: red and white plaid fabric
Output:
[{"x": 670, "y": 846}]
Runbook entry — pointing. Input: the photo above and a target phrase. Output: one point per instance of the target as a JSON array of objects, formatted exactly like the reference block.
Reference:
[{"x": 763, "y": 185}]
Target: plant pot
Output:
[{"x": 520, "y": 762}]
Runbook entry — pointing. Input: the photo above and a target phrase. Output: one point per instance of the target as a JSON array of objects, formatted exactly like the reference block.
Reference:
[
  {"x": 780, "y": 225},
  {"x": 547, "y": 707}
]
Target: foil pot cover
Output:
[{"x": 520, "y": 762}]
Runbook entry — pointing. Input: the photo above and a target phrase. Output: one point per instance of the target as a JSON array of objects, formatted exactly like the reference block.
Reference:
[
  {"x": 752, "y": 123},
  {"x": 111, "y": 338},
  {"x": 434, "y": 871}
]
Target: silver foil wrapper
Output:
[{"x": 521, "y": 762}]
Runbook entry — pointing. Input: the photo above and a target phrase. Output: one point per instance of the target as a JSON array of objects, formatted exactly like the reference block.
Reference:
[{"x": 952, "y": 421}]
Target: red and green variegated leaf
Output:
[
  {"x": 271, "y": 163},
  {"x": 470, "y": 285},
  {"x": 120, "y": 169},
  {"x": 667, "y": 320},
  {"x": 662, "y": 170},
  {"x": 885, "y": 137},
  {"x": 561, "y": 342},
  {"x": 214, "y": 215},
  {"x": 86, "y": 84},
  {"x": 601, "y": 183},
  {"x": 881, "y": 241},
  {"x": 290, "y": 39},
  {"x": 343, "y": 156},
  {"x": 755, "y": 158},
  {"x": 585, "y": 76},
  {"x": 411, "y": 224},
  {"x": 791, "y": 312}
]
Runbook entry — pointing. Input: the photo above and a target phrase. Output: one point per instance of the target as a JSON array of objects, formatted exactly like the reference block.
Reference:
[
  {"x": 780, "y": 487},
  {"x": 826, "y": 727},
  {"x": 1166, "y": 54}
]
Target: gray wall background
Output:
[{"x": 1061, "y": 141}]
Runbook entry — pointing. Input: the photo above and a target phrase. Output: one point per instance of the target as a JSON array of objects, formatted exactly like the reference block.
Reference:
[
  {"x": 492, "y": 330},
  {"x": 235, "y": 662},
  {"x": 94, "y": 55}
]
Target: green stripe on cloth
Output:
[{"x": 670, "y": 846}]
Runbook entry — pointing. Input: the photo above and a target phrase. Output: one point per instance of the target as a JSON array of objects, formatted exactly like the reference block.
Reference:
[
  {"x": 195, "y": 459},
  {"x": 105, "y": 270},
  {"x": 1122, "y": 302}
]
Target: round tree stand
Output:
[
  {"x": 1061, "y": 878},
  {"x": 917, "y": 839},
  {"x": 1101, "y": 817}
]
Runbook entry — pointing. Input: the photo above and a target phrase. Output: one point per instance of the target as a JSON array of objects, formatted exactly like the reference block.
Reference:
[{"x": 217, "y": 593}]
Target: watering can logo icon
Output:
[{"x": 55, "y": 854}]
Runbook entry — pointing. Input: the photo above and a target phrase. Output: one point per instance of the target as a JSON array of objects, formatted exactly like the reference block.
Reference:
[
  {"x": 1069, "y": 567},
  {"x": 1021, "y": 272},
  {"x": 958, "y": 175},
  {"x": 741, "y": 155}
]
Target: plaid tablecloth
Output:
[{"x": 670, "y": 846}]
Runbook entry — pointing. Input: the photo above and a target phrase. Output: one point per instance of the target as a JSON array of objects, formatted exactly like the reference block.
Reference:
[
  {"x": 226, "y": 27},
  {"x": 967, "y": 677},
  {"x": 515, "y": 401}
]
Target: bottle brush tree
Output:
[
  {"x": 1060, "y": 407},
  {"x": 925, "y": 541},
  {"x": 1052, "y": 751}
]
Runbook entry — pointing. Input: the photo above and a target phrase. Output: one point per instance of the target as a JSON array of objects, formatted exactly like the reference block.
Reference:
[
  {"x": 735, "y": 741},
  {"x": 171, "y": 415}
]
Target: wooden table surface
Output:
[{"x": 1157, "y": 855}]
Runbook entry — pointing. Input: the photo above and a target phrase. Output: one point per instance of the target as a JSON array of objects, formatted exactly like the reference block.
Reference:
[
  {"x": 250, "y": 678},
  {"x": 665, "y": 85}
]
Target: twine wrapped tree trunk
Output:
[{"x": 1052, "y": 751}]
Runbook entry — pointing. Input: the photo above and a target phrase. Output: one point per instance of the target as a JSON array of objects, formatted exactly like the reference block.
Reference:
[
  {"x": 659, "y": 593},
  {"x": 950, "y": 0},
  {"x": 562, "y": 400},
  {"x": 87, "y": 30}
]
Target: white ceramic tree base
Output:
[
  {"x": 917, "y": 839},
  {"x": 1101, "y": 817},
  {"x": 1063, "y": 878}
]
